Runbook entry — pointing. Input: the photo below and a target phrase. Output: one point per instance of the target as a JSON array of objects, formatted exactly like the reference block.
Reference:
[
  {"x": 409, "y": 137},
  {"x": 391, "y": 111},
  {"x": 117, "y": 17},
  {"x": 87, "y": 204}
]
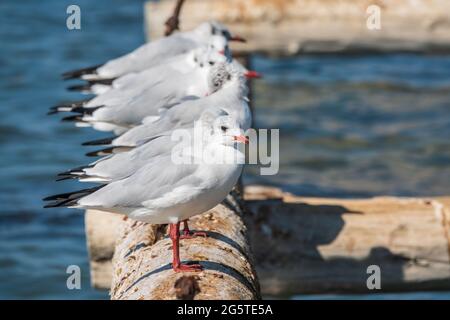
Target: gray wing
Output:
[
  {"x": 147, "y": 77},
  {"x": 132, "y": 85},
  {"x": 123, "y": 164},
  {"x": 147, "y": 55},
  {"x": 139, "y": 105},
  {"x": 179, "y": 116},
  {"x": 160, "y": 181}
]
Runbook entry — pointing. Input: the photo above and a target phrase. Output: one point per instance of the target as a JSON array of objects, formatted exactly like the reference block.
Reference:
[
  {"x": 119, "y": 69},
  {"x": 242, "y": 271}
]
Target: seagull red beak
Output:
[
  {"x": 241, "y": 139},
  {"x": 252, "y": 74},
  {"x": 237, "y": 38}
]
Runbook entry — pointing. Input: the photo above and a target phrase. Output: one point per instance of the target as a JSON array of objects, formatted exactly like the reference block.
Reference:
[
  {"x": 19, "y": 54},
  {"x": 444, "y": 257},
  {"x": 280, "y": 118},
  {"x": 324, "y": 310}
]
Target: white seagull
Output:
[
  {"x": 183, "y": 63},
  {"x": 163, "y": 192},
  {"x": 154, "y": 52}
]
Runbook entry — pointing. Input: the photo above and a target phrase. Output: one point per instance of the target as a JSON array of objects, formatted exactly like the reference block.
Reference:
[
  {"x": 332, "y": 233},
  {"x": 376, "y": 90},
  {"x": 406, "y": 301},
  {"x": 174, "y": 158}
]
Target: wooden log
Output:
[
  {"x": 142, "y": 261},
  {"x": 287, "y": 27},
  {"x": 321, "y": 245}
]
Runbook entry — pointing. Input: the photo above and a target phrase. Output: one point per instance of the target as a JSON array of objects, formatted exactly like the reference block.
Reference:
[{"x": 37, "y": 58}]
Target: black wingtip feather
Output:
[
  {"x": 74, "y": 74},
  {"x": 62, "y": 203},
  {"x": 71, "y": 177},
  {"x": 88, "y": 111},
  {"x": 73, "y": 173},
  {"x": 75, "y": 118},
  {"x": 79, "y": 87},
  {"x": 77, "y": 169},
  {"x": 102, "y": 81},
  {"x": 99, "y": 142},
  {"x": 72, "y": 196},
  {"x": 101, "y": 152},
  {"x": 68, "y": 106},
  {"x": 108, "y": 151},
  {"x": 62, "y": 178}
]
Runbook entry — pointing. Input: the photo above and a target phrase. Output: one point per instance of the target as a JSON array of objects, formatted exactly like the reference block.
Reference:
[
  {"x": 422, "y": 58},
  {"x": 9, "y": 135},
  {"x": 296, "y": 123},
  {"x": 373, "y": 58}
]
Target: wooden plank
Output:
[{"x": 287, "y": 27}]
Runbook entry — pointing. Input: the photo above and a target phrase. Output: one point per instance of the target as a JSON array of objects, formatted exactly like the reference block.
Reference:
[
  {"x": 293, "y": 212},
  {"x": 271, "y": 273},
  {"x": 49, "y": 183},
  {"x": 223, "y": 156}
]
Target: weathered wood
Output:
[
  {"x": 142, "y": 261},
  {"x": 286, "y": 27},
  {"x": 321, "y": 245}
]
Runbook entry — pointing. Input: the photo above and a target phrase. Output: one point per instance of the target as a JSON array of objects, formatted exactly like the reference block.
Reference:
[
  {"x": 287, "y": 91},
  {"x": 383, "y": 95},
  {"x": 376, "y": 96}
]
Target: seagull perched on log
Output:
[{"x": 162, "y": 191}]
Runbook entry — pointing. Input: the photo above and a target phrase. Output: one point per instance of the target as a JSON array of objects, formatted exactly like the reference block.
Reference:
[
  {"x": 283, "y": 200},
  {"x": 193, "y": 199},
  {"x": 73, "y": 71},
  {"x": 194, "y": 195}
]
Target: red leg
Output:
[
  {"x": 187, "y": 234},
  {"x": 174, "y": 233}
]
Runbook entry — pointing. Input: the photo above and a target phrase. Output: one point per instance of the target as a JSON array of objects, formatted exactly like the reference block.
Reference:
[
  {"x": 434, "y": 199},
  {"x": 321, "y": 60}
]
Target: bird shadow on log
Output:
[{"x": 285, "y": 238}]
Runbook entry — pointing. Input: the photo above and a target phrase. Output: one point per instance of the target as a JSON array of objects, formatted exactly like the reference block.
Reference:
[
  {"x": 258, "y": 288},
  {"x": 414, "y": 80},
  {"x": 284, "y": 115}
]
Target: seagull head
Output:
[
  {"x": 214, "y": 28},
  {"x": 218, "y": 45},
  {"x": 223, "y": 127},
  {"x": 230, "y": 134}
]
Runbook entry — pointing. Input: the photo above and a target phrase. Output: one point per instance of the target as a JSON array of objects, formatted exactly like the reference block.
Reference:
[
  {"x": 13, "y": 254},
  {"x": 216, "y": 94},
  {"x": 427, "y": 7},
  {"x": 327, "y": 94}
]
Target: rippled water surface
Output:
[{"x": 349, "y": 126}]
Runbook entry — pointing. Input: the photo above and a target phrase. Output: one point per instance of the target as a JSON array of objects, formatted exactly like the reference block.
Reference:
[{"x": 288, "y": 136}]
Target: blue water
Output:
[{"x": 350, "y": 126}]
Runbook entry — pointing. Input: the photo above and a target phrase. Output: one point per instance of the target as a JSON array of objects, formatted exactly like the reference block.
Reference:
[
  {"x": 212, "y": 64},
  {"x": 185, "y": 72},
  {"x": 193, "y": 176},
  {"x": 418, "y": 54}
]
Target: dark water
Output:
[{"x": 350, "y": 126}]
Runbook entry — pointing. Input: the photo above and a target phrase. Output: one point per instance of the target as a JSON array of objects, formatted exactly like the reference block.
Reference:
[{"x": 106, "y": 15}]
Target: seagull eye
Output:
[
  {"x": 211, "y": 63},
  {"x": 223, "y": 128}
]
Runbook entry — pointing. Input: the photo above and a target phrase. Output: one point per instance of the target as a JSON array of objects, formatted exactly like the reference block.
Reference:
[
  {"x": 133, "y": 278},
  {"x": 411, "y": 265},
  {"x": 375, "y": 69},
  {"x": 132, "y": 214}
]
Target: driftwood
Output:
[
  {"x": 313, "y": 245},
  {"x": 286, "y": 27}
]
